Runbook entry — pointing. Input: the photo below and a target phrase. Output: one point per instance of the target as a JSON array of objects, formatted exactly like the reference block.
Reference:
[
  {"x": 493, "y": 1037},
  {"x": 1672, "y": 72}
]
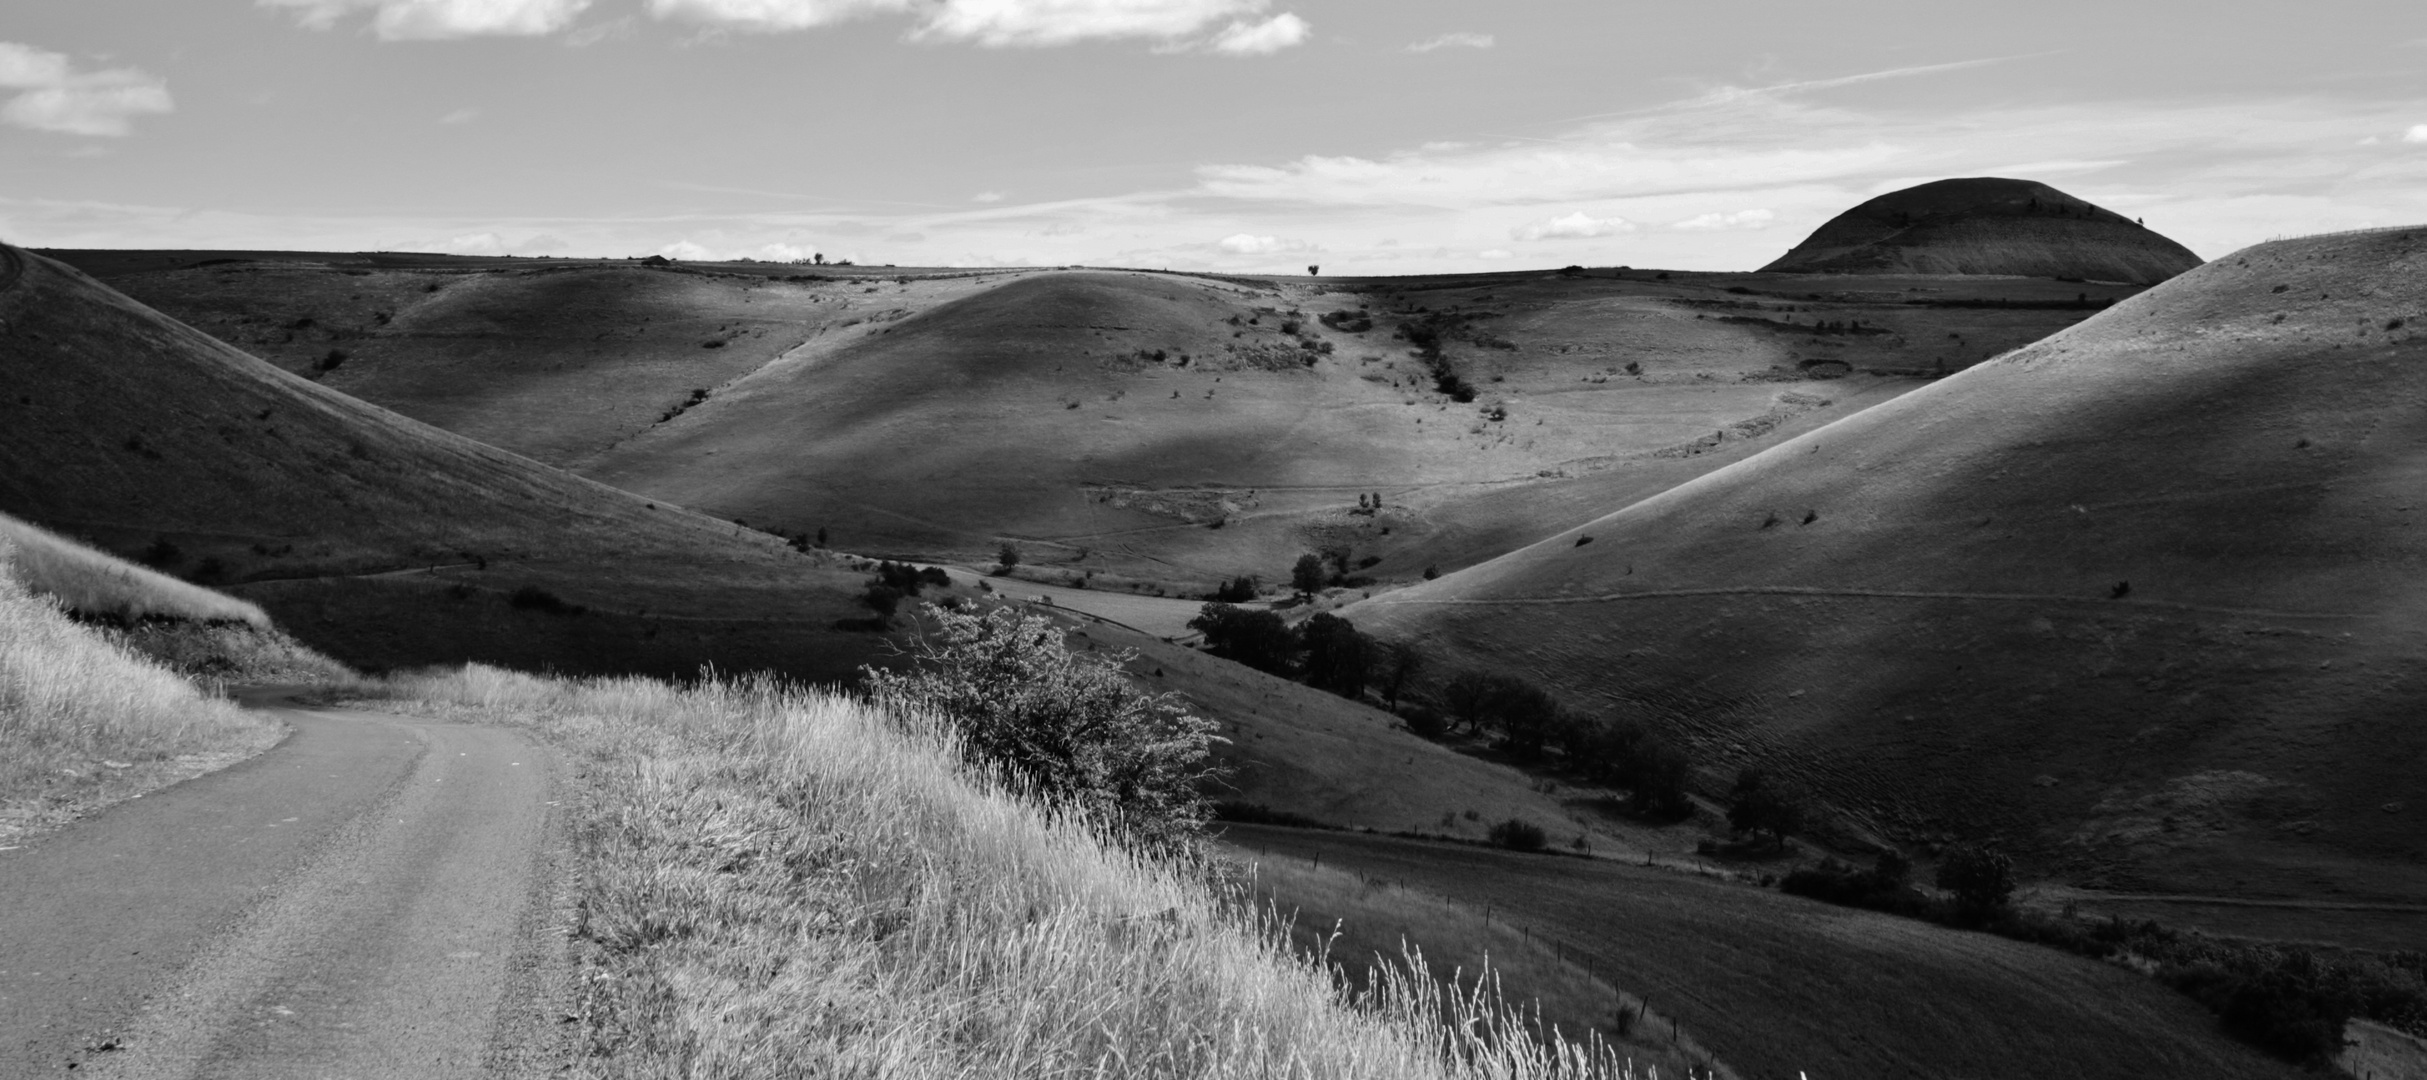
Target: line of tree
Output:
[{"x": 1530, "y": 725}]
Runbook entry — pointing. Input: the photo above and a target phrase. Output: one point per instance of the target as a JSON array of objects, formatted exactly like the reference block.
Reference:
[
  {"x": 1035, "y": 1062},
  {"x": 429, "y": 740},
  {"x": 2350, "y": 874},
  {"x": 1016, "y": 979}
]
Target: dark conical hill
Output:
[
  {"x": 2147, "y": 599},
  {"x": 1987, "y": 225}
]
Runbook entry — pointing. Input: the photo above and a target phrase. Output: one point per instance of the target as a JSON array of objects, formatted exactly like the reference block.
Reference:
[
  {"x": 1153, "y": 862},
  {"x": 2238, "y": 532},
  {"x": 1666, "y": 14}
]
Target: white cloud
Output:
[
  {"x": 772, "y": 15},
  {"x": 1459, "y": 40},
  {"x": 54, "y": 96},
  {"x": 1575, "y": 226},
  {"x": 487, "y": 243},
  {"x": 2416, "y": 134},
  {"x": 1742, "y": 219},
  {"x": 1495, "y": 253},
  {"x": 1250, "y": 244},
  {"x": 686, "y": 250},
  {"x": 428, "y": 20},
  {"x": 461, "y": 116},
  {"x": 987, "y": 197},
  {"x": 1262, "y": 39},
  {"x": 1060, "y": 22}
]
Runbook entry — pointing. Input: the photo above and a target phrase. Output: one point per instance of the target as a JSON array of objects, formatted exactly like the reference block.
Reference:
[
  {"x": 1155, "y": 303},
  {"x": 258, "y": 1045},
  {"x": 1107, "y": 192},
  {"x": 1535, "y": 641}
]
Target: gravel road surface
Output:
[{"x": 377, "y": 896}]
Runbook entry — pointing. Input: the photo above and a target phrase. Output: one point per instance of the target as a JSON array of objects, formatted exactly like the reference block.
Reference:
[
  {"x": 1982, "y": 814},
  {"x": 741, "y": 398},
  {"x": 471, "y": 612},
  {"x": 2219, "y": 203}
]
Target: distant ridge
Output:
[{"x": 1987, "y": 225}]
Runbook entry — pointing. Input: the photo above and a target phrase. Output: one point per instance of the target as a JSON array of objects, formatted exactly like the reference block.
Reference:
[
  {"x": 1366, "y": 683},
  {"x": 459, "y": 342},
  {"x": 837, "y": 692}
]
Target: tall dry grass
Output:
[
  {"x": 782, "y": 883},
  {"x": 84, "y": 722},
  {"x": 99, "y": 585}
]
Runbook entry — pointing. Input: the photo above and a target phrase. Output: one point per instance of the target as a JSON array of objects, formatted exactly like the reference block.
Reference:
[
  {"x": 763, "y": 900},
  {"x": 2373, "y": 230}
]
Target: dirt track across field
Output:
[{"x": 368, "y": 899}]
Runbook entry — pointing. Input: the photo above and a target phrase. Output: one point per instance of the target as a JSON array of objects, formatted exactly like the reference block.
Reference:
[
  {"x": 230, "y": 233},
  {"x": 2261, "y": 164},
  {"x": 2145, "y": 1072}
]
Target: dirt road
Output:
[{"x": 371, "y": 898}]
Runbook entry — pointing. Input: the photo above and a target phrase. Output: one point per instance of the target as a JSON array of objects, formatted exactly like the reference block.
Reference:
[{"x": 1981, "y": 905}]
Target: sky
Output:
[{"x": 1362, "y": 136}]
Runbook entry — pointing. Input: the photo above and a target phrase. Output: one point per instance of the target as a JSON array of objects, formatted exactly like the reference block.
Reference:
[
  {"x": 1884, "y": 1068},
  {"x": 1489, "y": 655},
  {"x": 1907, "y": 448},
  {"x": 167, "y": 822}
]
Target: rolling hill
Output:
[
  {"x": 381, "y": 540},
  {"x": 2144, "y": 599},
  {"x": 1987, "y": 225},
  {"x": 601, "y": 367}
]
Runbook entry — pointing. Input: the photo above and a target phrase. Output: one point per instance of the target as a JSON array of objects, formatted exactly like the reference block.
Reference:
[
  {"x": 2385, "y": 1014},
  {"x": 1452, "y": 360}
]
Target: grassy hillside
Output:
[
  {"x": 379, "y": 539},
  {"x": 1778, "y": 986},
  {"x": 1987, "y": 225},
  {"x": 780, "y": 883},
  {"x": 85, "y": 722},
  {"x": 101, "y": 586},
  {"x": 1165, "y": 431},
  {"x": 917, "y": 413},
  {"x": 2143, "y": 599},
  {"x": 554, "y": 361}
]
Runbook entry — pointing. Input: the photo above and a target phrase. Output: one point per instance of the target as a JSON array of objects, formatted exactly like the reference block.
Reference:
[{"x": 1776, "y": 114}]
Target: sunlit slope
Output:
[
  {"x": 2144, "y": 598},
  {"x": 555, "y": 362},
  {"x": 1987, "y": 225},
  {"x": 378, "y": 538},
  {"x": 1175, "y": 429}
]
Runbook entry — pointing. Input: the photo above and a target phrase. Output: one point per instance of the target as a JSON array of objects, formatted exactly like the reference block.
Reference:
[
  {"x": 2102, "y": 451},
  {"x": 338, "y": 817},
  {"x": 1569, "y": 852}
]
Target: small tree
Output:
[
  {"x": 1008, "y": 555},
  {"x": 1307, "y": 576},
  {"x": 1981, "y": 877},
  {"x": 1762, "y": 805},
  {"x": 1401, "y": 663},
  {"x": 1468, "y": 698},
  {"x": 1070, "y": 728},
  {"x": 1339, "y": 658}
]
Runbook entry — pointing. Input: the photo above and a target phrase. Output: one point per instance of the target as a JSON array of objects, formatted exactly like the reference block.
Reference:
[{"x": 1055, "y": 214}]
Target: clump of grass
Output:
[
  {"x": 783, "y": 882},
  {"x": 85, "y": 722},
  {"x": 98, "y": 586}
]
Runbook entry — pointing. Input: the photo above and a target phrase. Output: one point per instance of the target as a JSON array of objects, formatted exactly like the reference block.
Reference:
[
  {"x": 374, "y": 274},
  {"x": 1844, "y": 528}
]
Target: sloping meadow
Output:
[{"x": 778, "y": 882}]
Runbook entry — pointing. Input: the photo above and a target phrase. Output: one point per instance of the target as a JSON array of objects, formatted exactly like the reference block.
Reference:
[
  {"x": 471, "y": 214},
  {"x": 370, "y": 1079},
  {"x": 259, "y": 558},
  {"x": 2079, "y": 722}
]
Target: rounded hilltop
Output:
[{"x": 1987, "y": 225}]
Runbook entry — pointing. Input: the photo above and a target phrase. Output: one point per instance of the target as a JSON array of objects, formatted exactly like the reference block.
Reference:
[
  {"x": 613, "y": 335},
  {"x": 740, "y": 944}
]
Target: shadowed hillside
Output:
[
  {"x": 373, "y": 537},
  {"x": 1987, "y": 225},
  {"x": 2144, "y": 599}
]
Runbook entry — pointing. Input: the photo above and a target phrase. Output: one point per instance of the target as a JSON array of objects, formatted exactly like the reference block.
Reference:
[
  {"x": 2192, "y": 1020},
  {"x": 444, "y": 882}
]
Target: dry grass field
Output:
[
  {"x": 100, "y": 586},
  {"x": 2142, "y": 599},
  {"x": 785, "y": 883},
  {"x": 1777, "y": 986},
  {"x": 85, "y": 722}
]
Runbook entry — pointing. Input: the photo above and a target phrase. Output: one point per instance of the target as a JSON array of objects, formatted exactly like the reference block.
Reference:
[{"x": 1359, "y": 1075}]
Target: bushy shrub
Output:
[
  {"x": 1069, "y": 727},
  {"x": 1761, "y": 804},
  {"x": 1238, "y": 590},
  {"x": 1518, "y": 834},
  {"x": 534, "y": 598},
  {"x": 1981, "y": 877}
]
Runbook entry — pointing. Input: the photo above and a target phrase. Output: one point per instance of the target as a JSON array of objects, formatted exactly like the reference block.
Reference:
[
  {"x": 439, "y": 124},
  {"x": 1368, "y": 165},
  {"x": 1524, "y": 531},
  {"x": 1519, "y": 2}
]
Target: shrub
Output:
[
  {"x": 1237, "y": 590},
  {"x": 1069, "y": 727},
  {"x": 882, "y": 598},
  {"x": 1518, "y": 834},
  {"x": 1981, "y": 877},
  {"x": 534, "y": 598},
  {"x": 1426, "y": 723}
]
